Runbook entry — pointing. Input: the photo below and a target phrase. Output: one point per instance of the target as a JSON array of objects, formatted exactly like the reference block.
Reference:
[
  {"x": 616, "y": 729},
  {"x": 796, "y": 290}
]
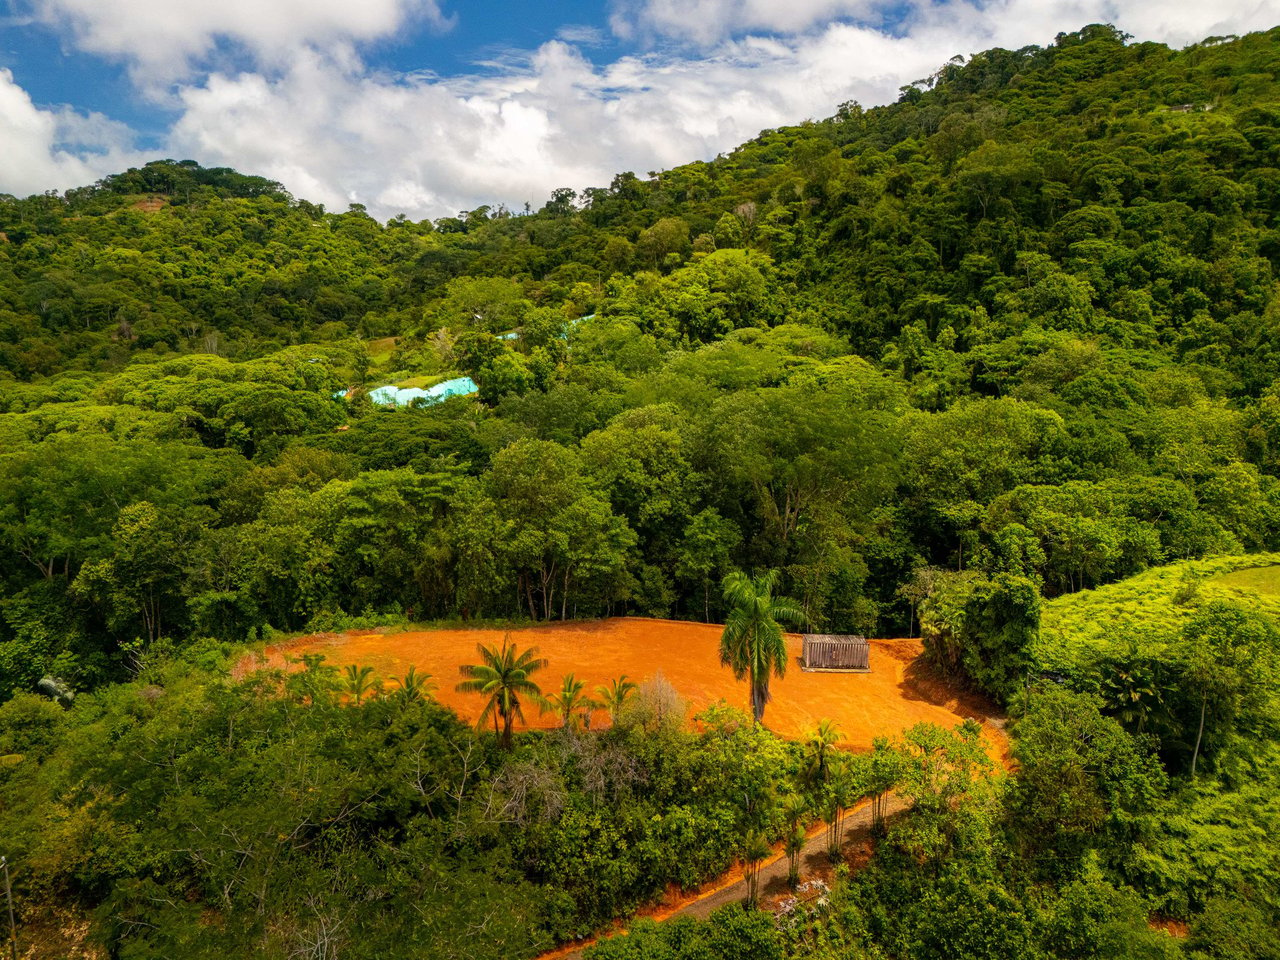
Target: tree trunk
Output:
[
  {"x": 759, "y": 694},
  {"x": 548, "y": 592},
  {"x": 528, "y": 589},
  {"x": 1195, "y": 754}
]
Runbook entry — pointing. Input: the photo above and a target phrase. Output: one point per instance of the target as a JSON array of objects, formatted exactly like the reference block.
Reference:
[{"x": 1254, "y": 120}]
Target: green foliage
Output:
[
  {"x": 1230, "y": 928},
  {"x": 730, "y": 932},
  {"x": 184, "y": 798},
  {"x": 983, "y": 629},
  {"x": 1083, "y": 784}
]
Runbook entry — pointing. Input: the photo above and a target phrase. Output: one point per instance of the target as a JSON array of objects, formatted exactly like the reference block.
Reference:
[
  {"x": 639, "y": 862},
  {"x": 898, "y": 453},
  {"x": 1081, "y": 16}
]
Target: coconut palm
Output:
[
  {"x": 359, "y": 681},
  {"x": 613, "y": 696},
  {"x": 752, "y": 643},
  {"x": 1130, "y": 689},
  {"x": 503, "y": 677},
  {"x": 317, "y": 680},
  {"x": 818, "y": 751},
  {"x": 414, "y": 686},
  {"x": 569, "y": 701}
]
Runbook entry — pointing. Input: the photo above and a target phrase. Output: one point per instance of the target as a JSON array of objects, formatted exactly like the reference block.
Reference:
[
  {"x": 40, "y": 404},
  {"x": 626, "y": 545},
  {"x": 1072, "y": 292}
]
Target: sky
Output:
[{"x": 430, "y": 107}]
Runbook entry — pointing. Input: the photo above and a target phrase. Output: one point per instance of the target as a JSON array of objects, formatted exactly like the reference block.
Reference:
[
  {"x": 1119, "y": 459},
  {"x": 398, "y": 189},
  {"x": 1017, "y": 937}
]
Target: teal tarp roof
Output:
[{"x": 392, "y": 396}]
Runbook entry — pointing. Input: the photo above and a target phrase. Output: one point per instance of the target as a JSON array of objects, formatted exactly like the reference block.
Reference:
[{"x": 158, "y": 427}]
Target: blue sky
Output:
[{"x": 428, "y": 107}]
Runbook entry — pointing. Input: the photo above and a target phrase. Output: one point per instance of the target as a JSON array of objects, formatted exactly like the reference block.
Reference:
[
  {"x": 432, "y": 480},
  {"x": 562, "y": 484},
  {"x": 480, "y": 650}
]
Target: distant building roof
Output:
[{"x": 393, "y": 396}]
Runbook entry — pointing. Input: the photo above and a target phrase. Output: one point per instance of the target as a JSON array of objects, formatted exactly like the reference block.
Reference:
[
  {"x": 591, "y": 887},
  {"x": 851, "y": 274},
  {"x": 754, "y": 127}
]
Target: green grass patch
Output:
[
  {"x": 1260, "y": 580},
  {"x": 1151, "y": 608},
  {"x": 380, "y": 350},
  {"x": 421, "y": 382}
]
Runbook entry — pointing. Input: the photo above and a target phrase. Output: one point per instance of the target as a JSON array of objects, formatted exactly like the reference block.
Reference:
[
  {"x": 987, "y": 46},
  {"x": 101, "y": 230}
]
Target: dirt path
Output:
[{"x": 855, "y": 834}]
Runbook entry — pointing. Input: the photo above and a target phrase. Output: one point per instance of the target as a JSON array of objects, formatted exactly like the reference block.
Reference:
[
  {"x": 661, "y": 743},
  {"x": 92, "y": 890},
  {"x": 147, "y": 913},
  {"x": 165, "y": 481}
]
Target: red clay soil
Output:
[
  {"x": 151, "y": 204},
  {"x": 898, "y": 692},
  {"x": 1174, "y": 928}
]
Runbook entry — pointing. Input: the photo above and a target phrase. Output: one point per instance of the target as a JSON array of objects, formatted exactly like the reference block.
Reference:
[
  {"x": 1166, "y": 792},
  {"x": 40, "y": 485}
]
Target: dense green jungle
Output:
[{"x": 994, "y": 365}]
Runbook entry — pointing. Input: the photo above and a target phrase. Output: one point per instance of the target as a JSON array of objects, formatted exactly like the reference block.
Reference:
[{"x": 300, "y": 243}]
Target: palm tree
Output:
[
  {"x": 821, "y": 742},
  {"x": 613, "y": 697},
  {"x": 887, "y": 767},
  {"x": 569, "y": 701},
  {"x": 837, "y": 797},
  {"x": 503, "y": 677},
  {"x": 754, "y": 852},
  {"x": 795, "y": 846},
  {"x": 360, "y": 681},
  {"x": 795, "y": 811},
  {"x": 414, "y": 686},
  {"x": 753, "y": 644},
  {"x": 1130, "y": 690}
]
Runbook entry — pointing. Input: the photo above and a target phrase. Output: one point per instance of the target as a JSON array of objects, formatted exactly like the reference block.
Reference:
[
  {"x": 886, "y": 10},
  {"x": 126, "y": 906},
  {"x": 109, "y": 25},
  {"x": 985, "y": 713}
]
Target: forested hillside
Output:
[
  {"x": 1021, "y": 322},
  {"x": 939, "y": 363}
]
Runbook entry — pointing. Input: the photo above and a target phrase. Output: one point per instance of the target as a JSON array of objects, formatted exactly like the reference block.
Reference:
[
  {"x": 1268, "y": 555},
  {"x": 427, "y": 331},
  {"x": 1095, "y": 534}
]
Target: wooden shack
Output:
[{"x": 836, "y": 652}]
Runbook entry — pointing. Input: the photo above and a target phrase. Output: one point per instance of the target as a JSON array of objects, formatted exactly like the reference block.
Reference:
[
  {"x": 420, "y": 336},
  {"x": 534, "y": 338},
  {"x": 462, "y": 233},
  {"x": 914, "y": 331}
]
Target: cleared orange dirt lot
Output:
[{"x": 895, "y": 695}]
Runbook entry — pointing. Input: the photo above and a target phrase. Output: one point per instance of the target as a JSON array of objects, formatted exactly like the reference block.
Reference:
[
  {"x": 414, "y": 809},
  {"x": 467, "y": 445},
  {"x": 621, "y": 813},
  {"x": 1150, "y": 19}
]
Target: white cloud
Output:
[
  {"x": 162, "y": 39},
  {"x": 432, "y": 147},
  {"x": 55, "y": 149},
  {"x": 581, "y": 34}
]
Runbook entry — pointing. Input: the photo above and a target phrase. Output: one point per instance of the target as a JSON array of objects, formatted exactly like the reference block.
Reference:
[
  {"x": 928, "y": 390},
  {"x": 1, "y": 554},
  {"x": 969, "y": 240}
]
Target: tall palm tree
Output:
[
  {"x": 753, "y": 644},
  {"x": 503, "y": 677},
  {"x": 838, "y": 795},
  {"x": 795, "y": 811},
  {"x": 359, "y": 681},
  {"x": 569, "y": 701},
  {"x": 795, "y": 842},
  {"x": 613, "y": 696},
  {"x": 754, "y": 852}
]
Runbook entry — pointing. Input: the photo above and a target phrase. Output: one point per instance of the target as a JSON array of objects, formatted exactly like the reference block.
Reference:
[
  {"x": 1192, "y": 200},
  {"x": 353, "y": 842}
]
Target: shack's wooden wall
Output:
[{"x": 832, "y": 652}]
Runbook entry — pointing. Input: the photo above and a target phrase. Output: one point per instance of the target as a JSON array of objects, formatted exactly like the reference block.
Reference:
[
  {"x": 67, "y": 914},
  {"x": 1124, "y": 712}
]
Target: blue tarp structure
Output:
[{"x": 392, "y": 396}]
